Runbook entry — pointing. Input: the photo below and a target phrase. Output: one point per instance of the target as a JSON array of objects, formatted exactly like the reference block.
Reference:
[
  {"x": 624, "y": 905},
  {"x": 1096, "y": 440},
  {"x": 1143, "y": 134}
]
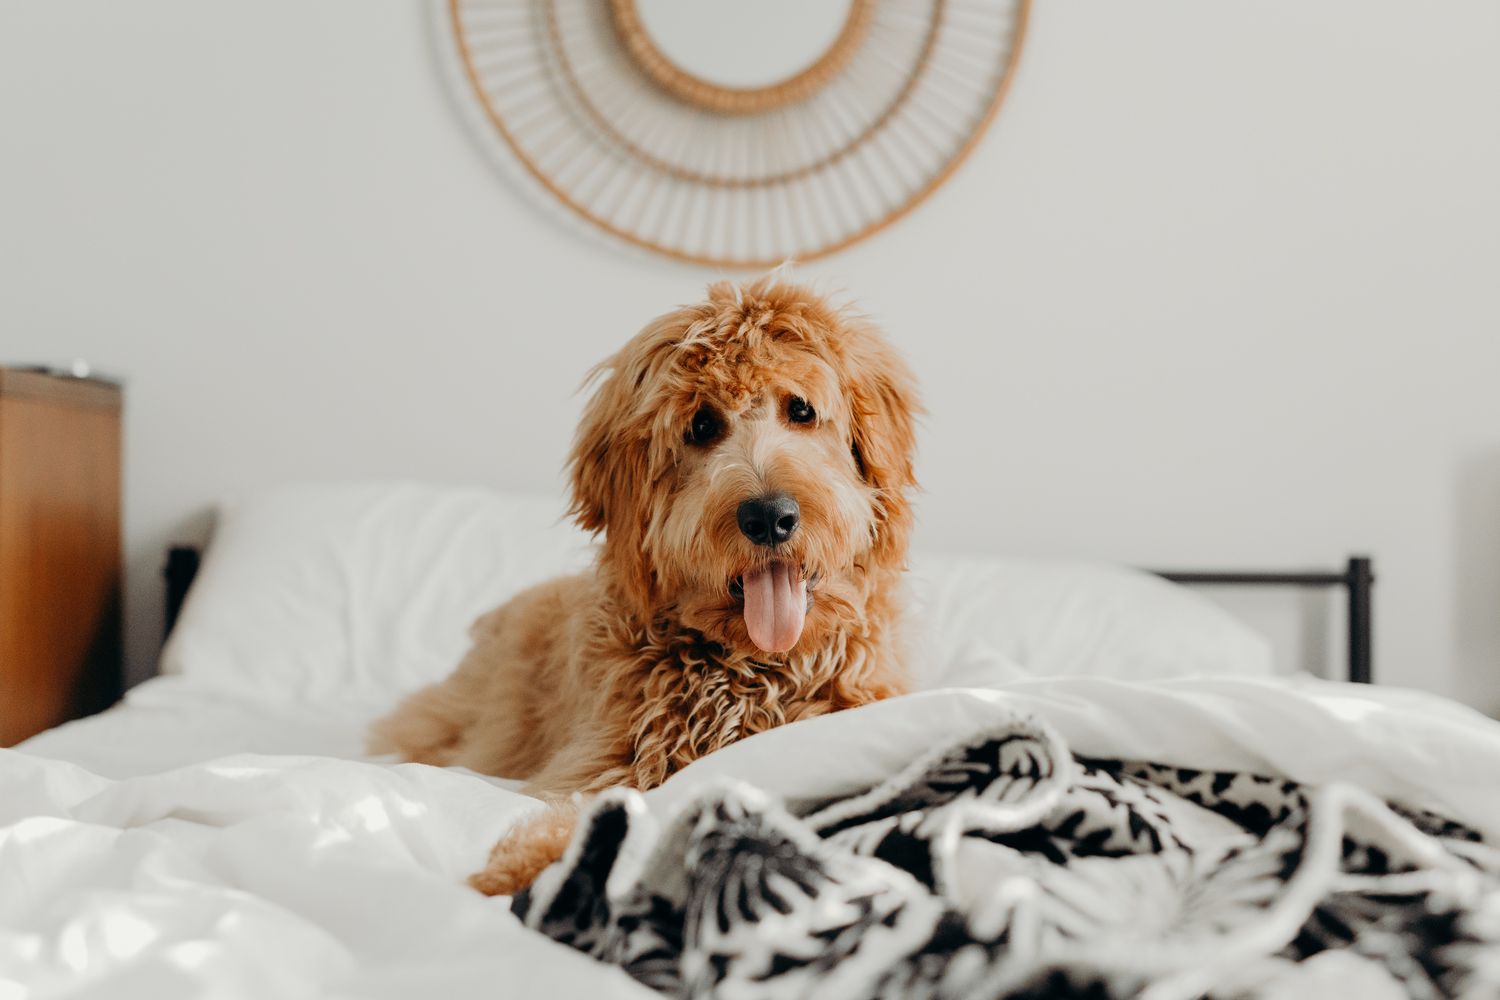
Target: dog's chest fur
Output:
[{"x": 695, "y": 698}]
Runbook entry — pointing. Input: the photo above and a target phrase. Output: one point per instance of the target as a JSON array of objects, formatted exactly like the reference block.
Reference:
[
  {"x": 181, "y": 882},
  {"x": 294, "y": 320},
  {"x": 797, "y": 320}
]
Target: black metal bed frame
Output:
[
  {"x": 1358, "y": 578},
  {"x": 179, "y": 572}
]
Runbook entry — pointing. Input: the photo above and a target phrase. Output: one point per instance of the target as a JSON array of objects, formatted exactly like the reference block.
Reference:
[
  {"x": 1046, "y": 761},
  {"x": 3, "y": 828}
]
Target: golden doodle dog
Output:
[{"x": 747, "y": 461}]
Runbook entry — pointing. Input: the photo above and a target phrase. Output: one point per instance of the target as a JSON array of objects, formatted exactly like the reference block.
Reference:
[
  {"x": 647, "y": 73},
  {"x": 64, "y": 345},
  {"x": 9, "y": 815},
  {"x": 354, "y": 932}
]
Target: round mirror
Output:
[{"x": 738, "y": 57}]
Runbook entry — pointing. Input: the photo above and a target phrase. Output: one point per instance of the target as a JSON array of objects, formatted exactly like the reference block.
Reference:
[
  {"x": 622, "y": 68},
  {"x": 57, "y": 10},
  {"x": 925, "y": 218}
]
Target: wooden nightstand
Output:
[{"x": 59, "y": 550}]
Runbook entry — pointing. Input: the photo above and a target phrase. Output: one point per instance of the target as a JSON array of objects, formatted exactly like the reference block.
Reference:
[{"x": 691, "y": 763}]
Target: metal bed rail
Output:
[{"x": 1358, "y": 578}]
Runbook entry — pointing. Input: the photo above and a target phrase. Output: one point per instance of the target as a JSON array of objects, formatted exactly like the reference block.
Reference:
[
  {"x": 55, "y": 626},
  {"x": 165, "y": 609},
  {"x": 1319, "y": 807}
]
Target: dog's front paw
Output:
[
  {"x": 503, "y": 880},
  {"x": 526, "y": 851}
]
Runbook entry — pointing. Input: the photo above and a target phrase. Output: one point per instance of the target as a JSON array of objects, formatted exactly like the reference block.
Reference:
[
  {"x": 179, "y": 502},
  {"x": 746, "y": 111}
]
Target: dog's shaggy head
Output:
[{"x": 747, "y": 460}]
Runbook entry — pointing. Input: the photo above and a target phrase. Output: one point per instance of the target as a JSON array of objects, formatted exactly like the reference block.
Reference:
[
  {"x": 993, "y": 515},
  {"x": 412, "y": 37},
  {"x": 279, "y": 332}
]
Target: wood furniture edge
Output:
[{"x": 19, "y": 383}]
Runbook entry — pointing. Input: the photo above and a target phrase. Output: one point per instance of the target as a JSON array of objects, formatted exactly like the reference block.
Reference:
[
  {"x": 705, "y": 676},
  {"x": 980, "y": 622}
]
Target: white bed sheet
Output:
[
  {"x": 189, "y": 842},
  {"x": 306, "y": 874},
  {"x": 170, "y": 722}
]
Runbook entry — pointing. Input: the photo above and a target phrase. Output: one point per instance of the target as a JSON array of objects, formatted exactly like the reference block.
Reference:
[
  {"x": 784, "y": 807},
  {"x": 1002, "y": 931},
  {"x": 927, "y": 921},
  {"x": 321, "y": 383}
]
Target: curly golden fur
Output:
[{"x": 623, "y": 675}]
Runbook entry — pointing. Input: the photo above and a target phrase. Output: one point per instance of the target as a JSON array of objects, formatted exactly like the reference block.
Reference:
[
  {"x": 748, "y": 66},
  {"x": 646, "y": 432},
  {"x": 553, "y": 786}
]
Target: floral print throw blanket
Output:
[{"x": 1002, "y": 865}]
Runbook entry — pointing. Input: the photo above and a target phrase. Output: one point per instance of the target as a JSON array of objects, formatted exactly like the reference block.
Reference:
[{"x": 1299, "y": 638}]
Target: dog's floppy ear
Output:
[
  {"x": 883, "y": 408},
  {"x": 614, "y": 462},
  {"x": 609, "y": 469},
  {"x": 601, "y": 461}
]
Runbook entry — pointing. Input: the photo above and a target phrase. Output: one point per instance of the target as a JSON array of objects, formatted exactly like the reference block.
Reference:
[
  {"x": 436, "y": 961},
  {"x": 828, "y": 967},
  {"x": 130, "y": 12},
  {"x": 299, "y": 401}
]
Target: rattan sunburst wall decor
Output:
[{"x": 732, "y": 133}]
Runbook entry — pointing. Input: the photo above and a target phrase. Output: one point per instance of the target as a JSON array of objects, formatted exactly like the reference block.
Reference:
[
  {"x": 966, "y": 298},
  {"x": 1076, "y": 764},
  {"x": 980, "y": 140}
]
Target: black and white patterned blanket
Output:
[{"x": 1004, "y": 866}]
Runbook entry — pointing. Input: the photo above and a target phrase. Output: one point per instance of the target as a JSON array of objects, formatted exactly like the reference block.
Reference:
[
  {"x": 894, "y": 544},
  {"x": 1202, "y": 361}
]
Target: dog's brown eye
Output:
[
  {"x": 798, "y": 412},
  {"x": 704, "y": 428}
]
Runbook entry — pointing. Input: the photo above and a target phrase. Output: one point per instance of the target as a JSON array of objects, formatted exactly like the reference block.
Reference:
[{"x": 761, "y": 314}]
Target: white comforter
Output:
[{"x": 292, "y": 876}]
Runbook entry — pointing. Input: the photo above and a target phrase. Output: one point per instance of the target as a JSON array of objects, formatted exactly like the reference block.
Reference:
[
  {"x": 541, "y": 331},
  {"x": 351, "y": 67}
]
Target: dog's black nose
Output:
[{"x": 769, "y": 520}]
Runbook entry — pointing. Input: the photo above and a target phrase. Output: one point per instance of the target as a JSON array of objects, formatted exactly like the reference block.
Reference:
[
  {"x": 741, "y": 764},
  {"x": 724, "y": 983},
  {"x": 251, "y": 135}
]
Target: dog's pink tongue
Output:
[{"x": 775, "y": 606}]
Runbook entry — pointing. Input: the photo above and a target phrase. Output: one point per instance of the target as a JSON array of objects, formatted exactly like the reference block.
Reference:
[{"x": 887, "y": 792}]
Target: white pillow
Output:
[
  {"x": 977, "y": 621},
  {"x": 359, "y": 591},
  {"x": 362, "y": 592}
]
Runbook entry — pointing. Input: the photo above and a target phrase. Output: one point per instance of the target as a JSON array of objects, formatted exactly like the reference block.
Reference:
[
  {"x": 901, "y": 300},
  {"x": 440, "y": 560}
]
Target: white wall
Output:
[{"x": 1218, "y": 289}]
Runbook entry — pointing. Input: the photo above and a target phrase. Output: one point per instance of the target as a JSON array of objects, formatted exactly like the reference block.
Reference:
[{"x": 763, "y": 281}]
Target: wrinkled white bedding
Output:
[
  {"x": 169, "y": 722},
  {"x": 308, "y": 875}
]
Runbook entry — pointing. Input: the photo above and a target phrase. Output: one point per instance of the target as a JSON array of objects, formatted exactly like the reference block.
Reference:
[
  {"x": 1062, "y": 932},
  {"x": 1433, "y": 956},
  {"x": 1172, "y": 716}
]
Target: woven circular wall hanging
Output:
[{"x": 739, "y": 133}]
